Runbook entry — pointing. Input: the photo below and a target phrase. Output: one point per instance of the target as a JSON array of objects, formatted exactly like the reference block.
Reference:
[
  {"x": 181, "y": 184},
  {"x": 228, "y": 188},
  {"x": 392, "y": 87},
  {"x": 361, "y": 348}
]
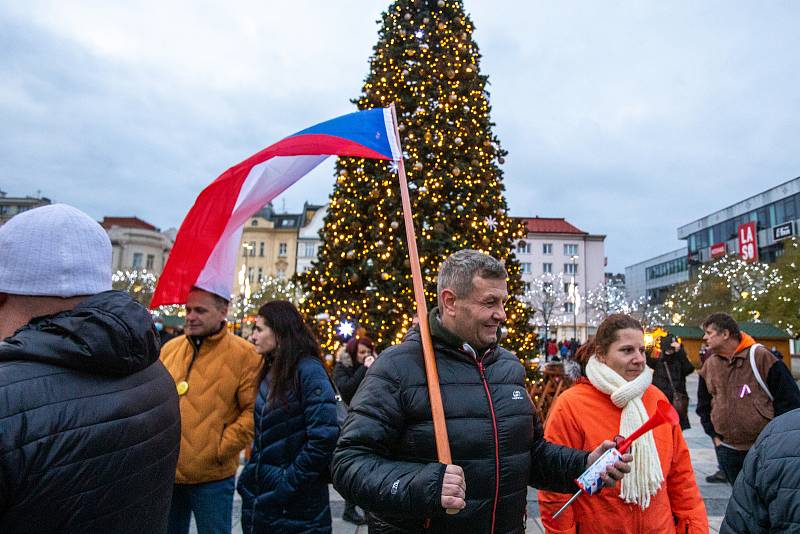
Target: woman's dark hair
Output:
[
  {"x": 294, "y": 340},
  {"x": 352, "y": 346},
  {"x": 607, "y": 333}
]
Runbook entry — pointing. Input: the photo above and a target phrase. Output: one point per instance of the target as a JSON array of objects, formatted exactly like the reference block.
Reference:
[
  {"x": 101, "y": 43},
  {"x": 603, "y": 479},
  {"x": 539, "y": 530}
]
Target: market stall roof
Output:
[{"x": 757, "y": 330}]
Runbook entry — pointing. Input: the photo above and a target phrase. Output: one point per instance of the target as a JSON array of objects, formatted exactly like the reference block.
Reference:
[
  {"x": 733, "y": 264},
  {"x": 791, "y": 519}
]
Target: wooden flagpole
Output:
[{"x": 431, "y": 373}]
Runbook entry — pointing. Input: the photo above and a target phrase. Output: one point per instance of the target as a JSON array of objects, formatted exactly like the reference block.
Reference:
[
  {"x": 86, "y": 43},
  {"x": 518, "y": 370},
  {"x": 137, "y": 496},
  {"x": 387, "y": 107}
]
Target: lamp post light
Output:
[
  {"x": 575, "y": 297},
  {"x": 244, "y": 285}
]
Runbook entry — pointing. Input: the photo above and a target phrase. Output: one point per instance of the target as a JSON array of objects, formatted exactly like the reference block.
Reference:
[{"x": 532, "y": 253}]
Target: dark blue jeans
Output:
[
  {"x": 731, "y": 462},
  {"x": 211, "y": 503}
]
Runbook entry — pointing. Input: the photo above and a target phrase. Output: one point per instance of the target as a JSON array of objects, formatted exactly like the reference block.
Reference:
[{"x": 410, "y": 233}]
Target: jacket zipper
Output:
[
  {"x": 496, "y": 443},
  {"x": 258, "y": 461}
]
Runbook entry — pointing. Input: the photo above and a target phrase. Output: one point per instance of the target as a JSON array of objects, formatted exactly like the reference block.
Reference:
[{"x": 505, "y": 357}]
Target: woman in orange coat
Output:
[{"x": 660, "y": 494}]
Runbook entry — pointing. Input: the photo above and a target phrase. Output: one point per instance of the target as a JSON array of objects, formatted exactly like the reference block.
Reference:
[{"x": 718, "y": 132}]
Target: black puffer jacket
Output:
[
  {"x": 385, "y": 460},
  {"x": 766, "y": 496},
  {"x": 89, "y": 422},
  {"x": 348, "y": 378}
]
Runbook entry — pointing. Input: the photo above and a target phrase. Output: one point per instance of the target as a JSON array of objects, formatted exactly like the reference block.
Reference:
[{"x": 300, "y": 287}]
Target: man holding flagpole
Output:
[{"x": 386, "y": 459}]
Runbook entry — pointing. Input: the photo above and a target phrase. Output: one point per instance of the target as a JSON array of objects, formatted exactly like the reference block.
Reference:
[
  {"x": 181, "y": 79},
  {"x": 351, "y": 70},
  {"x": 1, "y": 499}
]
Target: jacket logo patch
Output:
[
  {"x": 395, "y": 486},
  {"x": 517, "y": 395}
]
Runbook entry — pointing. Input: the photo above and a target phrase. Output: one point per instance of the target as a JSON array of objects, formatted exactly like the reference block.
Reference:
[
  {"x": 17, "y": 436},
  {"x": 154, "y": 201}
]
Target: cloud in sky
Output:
[{"x": 629, "y": 118}]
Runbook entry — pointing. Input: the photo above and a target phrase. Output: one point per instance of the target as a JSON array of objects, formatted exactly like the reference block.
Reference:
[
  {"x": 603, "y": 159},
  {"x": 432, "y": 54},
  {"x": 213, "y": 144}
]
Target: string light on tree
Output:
[{"x": 425, "y": 62}]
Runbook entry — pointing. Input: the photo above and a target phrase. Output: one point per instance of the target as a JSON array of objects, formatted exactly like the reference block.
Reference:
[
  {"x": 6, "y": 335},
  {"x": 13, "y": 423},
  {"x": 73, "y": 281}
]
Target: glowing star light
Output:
[
  {"x": 345, "y": 329},
  {"x": 491, "y": 222}
]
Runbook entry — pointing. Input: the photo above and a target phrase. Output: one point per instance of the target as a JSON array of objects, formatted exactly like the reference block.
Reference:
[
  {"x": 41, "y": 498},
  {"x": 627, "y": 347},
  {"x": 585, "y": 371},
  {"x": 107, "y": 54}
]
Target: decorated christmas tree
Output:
[{"x": 426, "y": 63}]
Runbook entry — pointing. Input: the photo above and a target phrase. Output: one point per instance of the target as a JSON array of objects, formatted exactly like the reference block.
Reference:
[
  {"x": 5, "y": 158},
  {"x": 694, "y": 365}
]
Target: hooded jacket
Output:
[
  {"x": 386, "y": 459},
  {"x": 89, "y": 422},
  {"x": 765, "y": 496}
]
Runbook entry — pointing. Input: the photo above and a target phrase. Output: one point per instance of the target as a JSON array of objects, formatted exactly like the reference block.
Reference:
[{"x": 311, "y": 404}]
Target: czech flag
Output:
[{"x": 205, "y": 249}]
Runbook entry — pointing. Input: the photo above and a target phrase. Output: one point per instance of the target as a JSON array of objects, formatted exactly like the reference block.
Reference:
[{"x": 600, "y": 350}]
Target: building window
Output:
[
  {"x": 260, "y": 274},
  {"x": 310, "y": 250},
  {"x": 282, "y": 249},
  {"x": 523, "y": 247},
  {"x": 668, "y": 268},
  {"x": 261, "y": 249},
  {"x": 569, "y": 307},
  {"x": 281, "y": 274},
  {"x": 547, "y": 248},
  {"x": 570, "y": 268},
  {"x": 566, "y": 287},
  {"x": 570, "y": 250},
  {"x": 151, "y": 260},
  {"x": 547, "y": 267},
  {"x": 527, "y": 286},
  {"x": 525, "y": 268},
  {"x": 250, "y": 274},
  {"x": 254, "y": 222},
  {"x": 137, "y": 260}
]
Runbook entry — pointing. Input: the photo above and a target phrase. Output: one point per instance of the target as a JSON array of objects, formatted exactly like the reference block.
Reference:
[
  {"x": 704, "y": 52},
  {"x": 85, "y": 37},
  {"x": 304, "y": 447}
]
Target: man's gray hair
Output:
[{"x": 458, "y": 270}]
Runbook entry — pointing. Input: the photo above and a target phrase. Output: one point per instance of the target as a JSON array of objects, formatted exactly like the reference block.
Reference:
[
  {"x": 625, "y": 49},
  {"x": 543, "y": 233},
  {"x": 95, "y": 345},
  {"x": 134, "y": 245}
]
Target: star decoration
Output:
[{"x": 491, "y": 222}]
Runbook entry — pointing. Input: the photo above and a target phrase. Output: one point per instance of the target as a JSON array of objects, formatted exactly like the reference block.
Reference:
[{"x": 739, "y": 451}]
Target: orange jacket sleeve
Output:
[
  {"x": 684, "y": 496},
  {"x": 561, "y": 428}
]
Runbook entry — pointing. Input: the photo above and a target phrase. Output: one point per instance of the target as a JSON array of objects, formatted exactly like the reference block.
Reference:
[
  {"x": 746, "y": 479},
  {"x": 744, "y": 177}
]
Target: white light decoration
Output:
[{"x": 345, "y": 329}]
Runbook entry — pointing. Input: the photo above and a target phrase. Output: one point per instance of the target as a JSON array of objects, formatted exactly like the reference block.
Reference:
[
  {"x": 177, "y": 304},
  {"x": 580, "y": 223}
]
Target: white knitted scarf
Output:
[{"x": 646, "y": 476}]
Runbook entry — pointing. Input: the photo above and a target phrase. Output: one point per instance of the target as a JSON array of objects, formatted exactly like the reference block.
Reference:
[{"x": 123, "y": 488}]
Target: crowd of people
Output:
[{"x": 106, "y": 429}]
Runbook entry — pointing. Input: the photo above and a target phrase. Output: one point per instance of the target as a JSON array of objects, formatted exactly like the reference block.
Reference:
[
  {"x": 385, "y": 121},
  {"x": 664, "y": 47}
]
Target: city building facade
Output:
[
  {"x": 137, "y": 245},
  {"x": 655, "y": 278},
  {"x": 775, "y": 212},
  {"x": 10, "y": 206},
  {"x": 553, "y": 246},
  {"x": 308, "y": 239}
]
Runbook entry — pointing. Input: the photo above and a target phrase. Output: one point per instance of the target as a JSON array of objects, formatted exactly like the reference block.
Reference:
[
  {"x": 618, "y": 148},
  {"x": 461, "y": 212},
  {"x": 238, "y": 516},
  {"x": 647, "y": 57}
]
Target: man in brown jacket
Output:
[
  {"x": 742, "y": 387},
  {"x": 216, "y": 375}
]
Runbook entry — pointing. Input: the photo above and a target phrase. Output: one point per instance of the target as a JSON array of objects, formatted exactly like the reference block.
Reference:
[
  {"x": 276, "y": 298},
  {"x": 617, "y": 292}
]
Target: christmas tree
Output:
[{"x": 426, "y": 63}]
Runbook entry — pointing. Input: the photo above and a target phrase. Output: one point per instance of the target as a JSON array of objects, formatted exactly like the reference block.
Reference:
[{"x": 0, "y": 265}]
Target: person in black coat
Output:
[
  {"x": 385, "y": 460},
  {"x": 351, "y": 367},
  {"x": 765, "y": 496},
  {"x": 90, "y": 427},
  {"x": 357, "y": 356},
  {"x": 670, "y": 370},
  {"x": 284, "y": 486}
]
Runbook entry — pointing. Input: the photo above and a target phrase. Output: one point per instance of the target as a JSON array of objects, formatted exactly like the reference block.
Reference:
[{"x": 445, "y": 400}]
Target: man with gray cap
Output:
[{"x": 89, "y": 420}]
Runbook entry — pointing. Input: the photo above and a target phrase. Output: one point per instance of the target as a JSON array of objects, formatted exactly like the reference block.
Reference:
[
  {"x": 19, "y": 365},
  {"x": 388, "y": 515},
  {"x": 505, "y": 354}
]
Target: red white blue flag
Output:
[{"x": 205, "y": 249}]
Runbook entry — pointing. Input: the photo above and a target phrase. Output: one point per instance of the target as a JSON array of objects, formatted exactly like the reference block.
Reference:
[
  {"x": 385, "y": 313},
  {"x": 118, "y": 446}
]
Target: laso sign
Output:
[{"x": 748, "y": 248}]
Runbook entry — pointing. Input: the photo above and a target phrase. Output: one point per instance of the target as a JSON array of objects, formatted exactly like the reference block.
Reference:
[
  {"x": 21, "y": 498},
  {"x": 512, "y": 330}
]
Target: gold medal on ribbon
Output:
[{"x": 183, "y": 387}]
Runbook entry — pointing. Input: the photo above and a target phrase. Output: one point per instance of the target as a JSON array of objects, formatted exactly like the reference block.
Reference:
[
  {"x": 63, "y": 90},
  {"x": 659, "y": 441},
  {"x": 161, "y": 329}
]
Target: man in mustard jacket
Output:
[{"x": 216, "y": 375}]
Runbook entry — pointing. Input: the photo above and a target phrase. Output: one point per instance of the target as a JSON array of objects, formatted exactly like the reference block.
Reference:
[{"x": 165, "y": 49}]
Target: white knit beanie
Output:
[{"x": 54, "y": 251}]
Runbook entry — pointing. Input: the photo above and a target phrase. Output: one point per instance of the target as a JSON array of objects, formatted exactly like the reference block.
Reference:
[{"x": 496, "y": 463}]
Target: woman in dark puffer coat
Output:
[
  {"x": 284, "y": 486},
  {"x": 765, "y": 496}
]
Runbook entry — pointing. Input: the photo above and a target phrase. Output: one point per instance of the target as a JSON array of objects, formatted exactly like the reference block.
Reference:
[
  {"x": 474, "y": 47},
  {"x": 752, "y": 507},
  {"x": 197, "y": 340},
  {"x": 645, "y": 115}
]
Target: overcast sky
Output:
[{"x": 626, "y": 118}]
